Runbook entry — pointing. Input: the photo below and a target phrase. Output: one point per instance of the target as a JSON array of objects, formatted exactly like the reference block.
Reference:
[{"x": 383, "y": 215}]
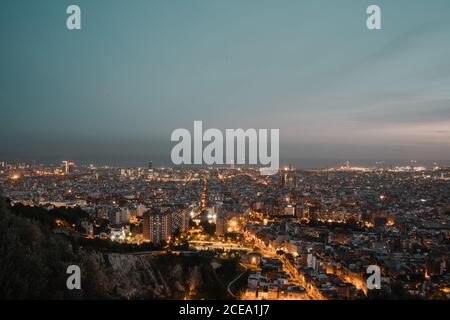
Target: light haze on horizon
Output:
[{"x": 115, "y": 90}]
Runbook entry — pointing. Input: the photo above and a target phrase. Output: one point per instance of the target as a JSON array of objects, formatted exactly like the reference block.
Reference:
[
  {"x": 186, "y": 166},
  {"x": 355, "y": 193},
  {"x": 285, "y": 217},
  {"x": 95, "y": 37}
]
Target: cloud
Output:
[{"x": 414, "y": 110}]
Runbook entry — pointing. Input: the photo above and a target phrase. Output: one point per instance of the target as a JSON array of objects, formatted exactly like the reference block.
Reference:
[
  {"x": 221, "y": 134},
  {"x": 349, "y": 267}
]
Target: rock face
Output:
[
  {"x": 35, "y": 261},
  {"x": 128, "y": 276}
]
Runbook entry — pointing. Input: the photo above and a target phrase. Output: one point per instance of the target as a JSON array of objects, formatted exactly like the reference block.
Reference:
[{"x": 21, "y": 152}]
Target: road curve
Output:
[{"x": 235, "y": 279}]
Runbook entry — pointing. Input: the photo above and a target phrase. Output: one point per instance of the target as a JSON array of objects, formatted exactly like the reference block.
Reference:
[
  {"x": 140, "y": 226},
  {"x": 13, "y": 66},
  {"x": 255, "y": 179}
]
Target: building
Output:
[
  {"x": 289, "y": 210},
  {"x": 221, "y": 224},
  {"x": 289, "y": 177},
  {"x": 180, "y": 220},
  {"x": 67, "y": 166},
  {"x": 140, "y": 210},
  {"x": 157, "y": 226},
  {"x": 118, "y": 216}
]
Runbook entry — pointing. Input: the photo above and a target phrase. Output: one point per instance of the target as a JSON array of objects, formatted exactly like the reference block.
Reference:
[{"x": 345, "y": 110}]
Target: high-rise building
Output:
[
  {"x": 157, "y": 226},
  {"x": 150, "y": 165},
  {"x": 289, "y": 177},
  {"x": 221, "y": 224},
  {"x": 67, "y": 166},
  {"x": 180, "y": 220},
  {"x": 119, "y": 216}
]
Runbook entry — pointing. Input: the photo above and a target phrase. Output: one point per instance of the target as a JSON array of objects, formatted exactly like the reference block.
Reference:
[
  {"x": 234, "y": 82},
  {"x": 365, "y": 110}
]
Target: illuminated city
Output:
[
  {"x": 203, "y": 159},
  {"x": 296, "y": 235}
]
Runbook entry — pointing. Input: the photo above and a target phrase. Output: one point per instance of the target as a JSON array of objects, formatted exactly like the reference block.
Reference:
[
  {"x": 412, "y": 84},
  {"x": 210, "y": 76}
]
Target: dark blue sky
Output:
[{"x": 115, "y": 90}]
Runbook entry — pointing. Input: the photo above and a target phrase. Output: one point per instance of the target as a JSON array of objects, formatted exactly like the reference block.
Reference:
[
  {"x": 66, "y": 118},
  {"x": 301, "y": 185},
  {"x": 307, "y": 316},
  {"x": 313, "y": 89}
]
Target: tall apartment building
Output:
[
  {"x": 180, "y": 220},
  {"x": 157, "y": 226}
]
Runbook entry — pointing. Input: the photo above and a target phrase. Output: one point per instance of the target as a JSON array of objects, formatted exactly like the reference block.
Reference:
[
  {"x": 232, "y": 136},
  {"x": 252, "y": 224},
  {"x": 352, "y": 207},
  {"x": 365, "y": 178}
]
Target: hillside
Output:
[{"x": 34, "y": 262}]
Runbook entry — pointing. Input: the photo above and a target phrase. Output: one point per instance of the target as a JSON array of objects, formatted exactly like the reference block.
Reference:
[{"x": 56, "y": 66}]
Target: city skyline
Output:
[
  {"x": 225, "y": 157},
  {"x": 115, "y": 90},
  {"x": 227, "y": 233}
]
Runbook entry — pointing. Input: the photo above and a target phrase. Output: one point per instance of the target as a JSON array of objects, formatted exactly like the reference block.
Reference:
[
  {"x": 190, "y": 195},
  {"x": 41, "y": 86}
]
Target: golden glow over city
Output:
[{"x": 15, "y": 176}]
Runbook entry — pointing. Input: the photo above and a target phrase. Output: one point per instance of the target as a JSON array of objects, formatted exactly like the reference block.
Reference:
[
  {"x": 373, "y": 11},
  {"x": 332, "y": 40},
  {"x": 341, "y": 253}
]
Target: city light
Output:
[
  {"x": 303, "y": 231},
  {"x": 15, "y": 176}
]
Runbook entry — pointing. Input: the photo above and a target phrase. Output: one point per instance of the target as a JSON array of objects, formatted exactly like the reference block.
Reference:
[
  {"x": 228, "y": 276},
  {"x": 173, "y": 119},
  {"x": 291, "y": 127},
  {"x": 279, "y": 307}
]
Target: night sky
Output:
[{"x": 114, "y": 91}]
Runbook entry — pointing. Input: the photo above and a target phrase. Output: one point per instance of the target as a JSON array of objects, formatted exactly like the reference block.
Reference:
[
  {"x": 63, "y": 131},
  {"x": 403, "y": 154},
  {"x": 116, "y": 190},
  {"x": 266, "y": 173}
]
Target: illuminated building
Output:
[
  {"x": 288, "y": 177},
  {"x": 67, "y": 166},
  {"x": 157, "y": 226},
  {"x": 180, "y": 220}
]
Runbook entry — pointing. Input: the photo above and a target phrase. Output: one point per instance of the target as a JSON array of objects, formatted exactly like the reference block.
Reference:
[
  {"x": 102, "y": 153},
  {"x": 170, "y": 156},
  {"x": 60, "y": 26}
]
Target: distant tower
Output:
[
  {"x": 150, "y": 165},
  {"x": 413, "y": 164},
  {"x": 67, "y": 166},
  {"x": 289, "y": 177}
]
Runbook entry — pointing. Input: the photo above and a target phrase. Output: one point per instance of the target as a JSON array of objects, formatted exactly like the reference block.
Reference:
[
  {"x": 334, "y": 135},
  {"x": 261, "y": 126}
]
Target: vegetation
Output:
[{"x": 35, "y": 259}]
